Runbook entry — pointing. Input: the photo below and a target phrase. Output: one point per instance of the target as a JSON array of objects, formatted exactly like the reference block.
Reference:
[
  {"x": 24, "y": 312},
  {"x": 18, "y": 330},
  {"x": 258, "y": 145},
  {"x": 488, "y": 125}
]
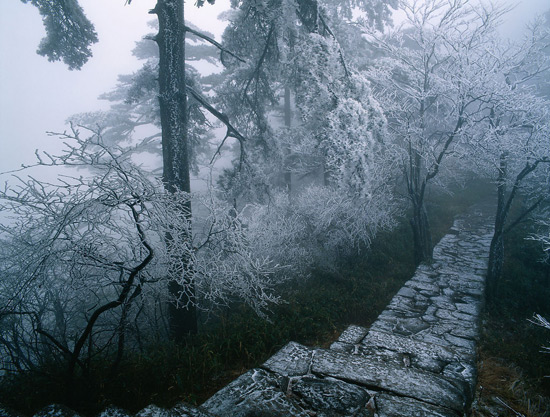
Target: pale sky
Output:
[{"x": 37, "y": 96}]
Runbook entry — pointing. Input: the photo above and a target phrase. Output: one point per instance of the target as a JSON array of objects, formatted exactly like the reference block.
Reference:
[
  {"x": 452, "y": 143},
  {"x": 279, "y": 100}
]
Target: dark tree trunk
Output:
[
  {"x": 288, "y": 122},
  {"x": 175, "y": 150},
  {"x": 422, "y": 236},
  {"x": 496, "y": 250},
  {"x": 496, "y": 261},
  {"x": 504, "y": 203},
  {"x": 416, "y": 187}
]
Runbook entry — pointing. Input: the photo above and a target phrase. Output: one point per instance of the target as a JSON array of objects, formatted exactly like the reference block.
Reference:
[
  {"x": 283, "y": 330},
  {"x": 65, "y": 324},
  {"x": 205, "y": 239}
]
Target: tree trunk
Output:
[
  {"x": 496, "y": 261},
  {"x": 175, "y": 154},
  {"x": 416, "y": 187},
  {"x": 422, "y": 237},
  {"x": 288, "y": 122},
  {"x": 496, "y": 250}
]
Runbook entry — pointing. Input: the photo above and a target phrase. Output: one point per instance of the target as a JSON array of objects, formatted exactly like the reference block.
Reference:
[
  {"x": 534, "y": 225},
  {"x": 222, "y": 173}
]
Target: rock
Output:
[
  {"x": 153, "y": 411},
  {"x": 402, "y": 380},
  {"x": 292, "y": 360},
  {"x": 113, "y": 411},
  {"x": 186, "y": 410},
  {"x": 255, "y": 393},
  {"x": 56, "y": 410},
  {"x": 393, "y": 406},
  {"x": 353, "y": 335},
  {"x": 330, "y": 395}
]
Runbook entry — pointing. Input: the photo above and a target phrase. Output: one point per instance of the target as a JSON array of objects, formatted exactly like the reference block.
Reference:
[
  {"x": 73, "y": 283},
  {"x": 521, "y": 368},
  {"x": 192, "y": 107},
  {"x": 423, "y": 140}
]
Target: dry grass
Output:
[{"x": 503, "y": 391}]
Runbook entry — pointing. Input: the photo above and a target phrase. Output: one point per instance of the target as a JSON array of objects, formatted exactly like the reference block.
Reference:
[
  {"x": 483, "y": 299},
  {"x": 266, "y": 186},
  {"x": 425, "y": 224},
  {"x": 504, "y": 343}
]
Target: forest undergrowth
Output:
[
  {"x": 514, "y": 372},
  {"x": 314, "y": 313}
]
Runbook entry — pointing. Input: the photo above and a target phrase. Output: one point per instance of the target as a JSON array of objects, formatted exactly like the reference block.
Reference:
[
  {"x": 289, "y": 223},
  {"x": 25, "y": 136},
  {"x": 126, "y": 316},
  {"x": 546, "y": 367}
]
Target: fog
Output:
[{"x": 37, "y": 96}]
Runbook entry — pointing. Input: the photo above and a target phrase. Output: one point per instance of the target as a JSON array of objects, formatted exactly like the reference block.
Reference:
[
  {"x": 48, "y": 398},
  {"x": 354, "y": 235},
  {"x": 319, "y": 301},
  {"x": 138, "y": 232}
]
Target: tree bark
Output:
[
  {"x": 416, "y": 187},
  {"x": 288, "y": 122},
  {"x": 422, "y": 236},
  {"x": 175, "y": 147},
  {"x": 496, "y": 250}
]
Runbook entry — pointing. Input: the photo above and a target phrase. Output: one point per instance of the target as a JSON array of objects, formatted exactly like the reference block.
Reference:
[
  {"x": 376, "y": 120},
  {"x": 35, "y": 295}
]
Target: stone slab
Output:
[
  {"x": 255, "y": 393},
  {"x": 329, "y": 395},
  {"x": 187, "y": 410},
  {"x": 56, "y": 410},
  {"x": 388, "y": 405},
  {"x": 293, "y": 359},
  {"x": 353, "y": 334},
  {"x": 401, "y": 380},
  {"x": 114, "y": 412}
]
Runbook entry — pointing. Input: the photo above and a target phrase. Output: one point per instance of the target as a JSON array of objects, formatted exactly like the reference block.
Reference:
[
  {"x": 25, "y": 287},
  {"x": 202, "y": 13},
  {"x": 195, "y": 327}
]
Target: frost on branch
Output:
[{"x": 85, "y": 260}]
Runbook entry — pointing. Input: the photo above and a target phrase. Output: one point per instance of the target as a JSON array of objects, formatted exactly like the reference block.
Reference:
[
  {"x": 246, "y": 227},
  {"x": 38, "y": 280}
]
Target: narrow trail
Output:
[{"x": 417, "y": 359}]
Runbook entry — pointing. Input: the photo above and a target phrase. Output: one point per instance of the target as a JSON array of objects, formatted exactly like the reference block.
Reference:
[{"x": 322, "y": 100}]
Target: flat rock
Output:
[
  {"x": 353, "y": 334},
  {"x": 343, "y": 347},
  {"x": 255, "y": 393},
  {"x": 187, "y": 410},
  {"x": 393, "y": 406},
  {"x": 401, "y": 380},
  {"x": 114, "y": 412},
  {"x": 153, "y": 411},
  {"x": 331, "y": 396},
  {"x": 292, "y": 360}
]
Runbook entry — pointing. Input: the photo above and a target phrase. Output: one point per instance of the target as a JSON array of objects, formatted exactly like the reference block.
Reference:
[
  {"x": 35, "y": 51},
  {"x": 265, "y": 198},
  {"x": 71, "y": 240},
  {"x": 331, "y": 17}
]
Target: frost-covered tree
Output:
[
  {"x": 308, "y": 117},
  {"x": 514, "y": 134},
  {"x": 264, "y": 89},
  {"x": 429, "y": 83},
  {"x": 85, "y": 261},
  {"x": 133, "y": 118},
  {"x": 173, "y": 108}
]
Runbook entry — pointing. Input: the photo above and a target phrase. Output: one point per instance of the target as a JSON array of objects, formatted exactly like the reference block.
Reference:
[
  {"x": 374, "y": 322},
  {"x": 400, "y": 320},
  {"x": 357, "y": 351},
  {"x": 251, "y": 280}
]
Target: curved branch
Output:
[{"x": 213, "y": 42}]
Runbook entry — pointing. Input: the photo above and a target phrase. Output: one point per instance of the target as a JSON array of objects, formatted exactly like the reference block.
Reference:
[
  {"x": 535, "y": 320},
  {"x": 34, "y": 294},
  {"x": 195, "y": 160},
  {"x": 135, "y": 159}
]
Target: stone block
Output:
[
  {"x": 153, "y": 411},
  {"x": 401, "y": 380},
  {"x": 114, "y": 412},
  {"x": 331, "y": 396},
  {"x": 56, "y": 410},
  {"x": 353, "y": 334},
  {"x": 342, "y": 347},
  {"x": 187, "y": 410},
  {"x": 255, "y": 393},
  {"x": 291, "y": 360},
  {"x": 388, "y": 405}
]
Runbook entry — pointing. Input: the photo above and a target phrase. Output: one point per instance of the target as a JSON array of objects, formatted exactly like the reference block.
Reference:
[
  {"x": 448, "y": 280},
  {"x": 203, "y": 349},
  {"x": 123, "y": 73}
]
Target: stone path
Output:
[{"x": 417, "y": 359}]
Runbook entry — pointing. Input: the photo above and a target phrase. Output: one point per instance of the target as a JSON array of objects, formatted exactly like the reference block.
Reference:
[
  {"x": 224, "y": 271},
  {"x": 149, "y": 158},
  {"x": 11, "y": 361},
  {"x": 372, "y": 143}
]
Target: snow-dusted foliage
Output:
[
  {"x": 513, "y": 136},
  {"x": 544, "y": 323},
  {"x": 318, "y": 228},
  {"x": 431, "y": 86},
  {"x": 85, "y": 260},
  {"x": 69, "y": 33},
  {"x": 315, "y": 170}
]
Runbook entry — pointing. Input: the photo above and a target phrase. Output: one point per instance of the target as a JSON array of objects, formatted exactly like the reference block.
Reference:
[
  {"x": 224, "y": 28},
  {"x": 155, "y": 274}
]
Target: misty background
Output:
[{"x": 37, "y": 96}]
